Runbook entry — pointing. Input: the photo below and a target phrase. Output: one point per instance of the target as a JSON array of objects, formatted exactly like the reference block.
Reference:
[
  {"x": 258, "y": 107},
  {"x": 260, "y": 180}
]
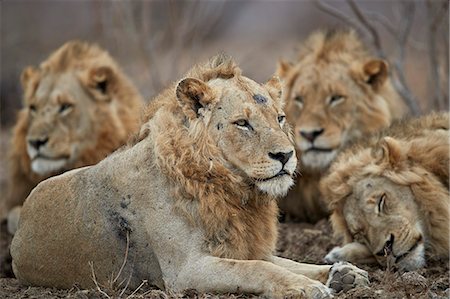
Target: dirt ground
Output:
[{"x": 299, "y": 241}]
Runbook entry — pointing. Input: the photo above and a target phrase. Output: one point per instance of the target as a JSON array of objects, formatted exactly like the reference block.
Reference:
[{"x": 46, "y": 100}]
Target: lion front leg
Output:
[
  {"x": 339, "y": 276},
  {"x": 212, "y": 274},
  {"x": 352, "y": 252}
]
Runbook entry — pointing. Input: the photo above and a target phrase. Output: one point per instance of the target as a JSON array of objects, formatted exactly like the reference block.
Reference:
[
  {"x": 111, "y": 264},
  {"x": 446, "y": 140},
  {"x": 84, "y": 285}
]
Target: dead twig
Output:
[
  {"x": 94, "y": 279},
  {"x": 365, "y": 22}
]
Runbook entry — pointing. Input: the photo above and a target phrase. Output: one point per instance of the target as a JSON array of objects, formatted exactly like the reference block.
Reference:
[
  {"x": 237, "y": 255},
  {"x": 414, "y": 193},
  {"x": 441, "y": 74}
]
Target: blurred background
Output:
[{"x": 157, "y": 41}]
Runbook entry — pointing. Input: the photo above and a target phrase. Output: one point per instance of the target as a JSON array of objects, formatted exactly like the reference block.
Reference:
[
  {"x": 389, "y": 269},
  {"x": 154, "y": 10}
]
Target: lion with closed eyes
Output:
[
  {"x": 389, "y": 195},
  {"x": 191, "y": 200}
]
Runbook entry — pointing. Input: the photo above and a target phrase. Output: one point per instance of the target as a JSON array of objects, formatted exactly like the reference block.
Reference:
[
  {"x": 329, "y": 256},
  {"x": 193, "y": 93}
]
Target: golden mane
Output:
[
  {"x": 226, "y": 203},
  {"x": 333, "y": 44},
  {"x": 113, "y": 123},
  {"x": 333, "y": 63},
  {"x": 412, "y": 153},
  {"x": 219, "y": 66},
  {"x": 76, "y": 55}
]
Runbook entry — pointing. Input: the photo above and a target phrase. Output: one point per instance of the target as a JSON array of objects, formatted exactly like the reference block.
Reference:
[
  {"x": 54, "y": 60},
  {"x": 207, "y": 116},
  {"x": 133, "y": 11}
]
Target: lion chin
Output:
[
  {"x": 44, "y": 166},
  {"x": 318, "y": 160},
  {"x": 276, "y": 187},
  {"x": 414, "y": 260}
]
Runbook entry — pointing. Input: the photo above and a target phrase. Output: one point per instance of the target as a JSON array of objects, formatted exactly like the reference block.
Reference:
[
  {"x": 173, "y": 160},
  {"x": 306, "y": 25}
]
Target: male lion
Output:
[
  {"x": 193, "y": 198},
  {"x": 390, "y": 195},
  {"x": 79, "y": 107},
  {"x": 336, "y": 92}
]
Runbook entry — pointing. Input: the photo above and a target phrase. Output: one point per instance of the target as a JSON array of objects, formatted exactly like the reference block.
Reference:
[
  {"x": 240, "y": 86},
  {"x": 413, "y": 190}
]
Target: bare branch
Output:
[
  {"x": 434, "y": 18},
  {"x": 137, "y": 289},
  {"x": 339, "y": 15},
  {"x": 124, "y": 260},
  {"x": 379, "y": 18},
  {"x": 94, "y": 278},
  {"x": 369, "y": 26}
]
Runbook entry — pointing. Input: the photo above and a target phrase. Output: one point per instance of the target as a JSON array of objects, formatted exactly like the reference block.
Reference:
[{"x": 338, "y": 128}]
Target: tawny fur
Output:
[
  {"x": 113, "y": 116},
  {"x": 332, "y": 63},
  {"x": 191, "y": 217},
  {"x": 412, "y": 153}
]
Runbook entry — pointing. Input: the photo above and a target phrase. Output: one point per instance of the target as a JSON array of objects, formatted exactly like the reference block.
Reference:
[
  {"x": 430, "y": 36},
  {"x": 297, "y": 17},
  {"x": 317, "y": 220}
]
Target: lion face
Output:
[
  {"x": 246, "y": 122},
  {"x": 61, "y": 111},
  {"x": 384, "y": 216},
  {"x": 326, "y": 107}
]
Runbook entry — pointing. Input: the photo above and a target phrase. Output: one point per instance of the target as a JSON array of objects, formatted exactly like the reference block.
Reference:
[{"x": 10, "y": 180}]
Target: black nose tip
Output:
[
  {"x": 311, "y": 135},
  {"x": 282, "y": 157},
  {"x": 37, "y": 143}
]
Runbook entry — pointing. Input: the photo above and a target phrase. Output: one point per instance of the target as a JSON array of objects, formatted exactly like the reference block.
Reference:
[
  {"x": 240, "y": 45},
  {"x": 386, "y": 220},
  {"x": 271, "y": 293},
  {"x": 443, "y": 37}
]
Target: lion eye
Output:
[
  {"x": 243, "y": 124},
  {"x": 381, "y": 202},
  {"x": 32, "y": 108},
  {"x": 281, "y": 119},
  {"x": 65, "y": 107},
  {"x": 299, "y": 99},
  {"x": 335, "y": 99}
]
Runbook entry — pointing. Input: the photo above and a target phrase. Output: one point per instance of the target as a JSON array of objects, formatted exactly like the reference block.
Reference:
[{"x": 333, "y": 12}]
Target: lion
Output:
[
  {"x": 190, "y": 202},
  {"x": 78, "y": 107},
  {"x": 335, "y": 92},
  {"x": 389, "y": 196}
]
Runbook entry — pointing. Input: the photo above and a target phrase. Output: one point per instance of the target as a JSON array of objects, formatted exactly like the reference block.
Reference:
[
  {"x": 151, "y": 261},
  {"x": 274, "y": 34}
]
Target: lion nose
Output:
[
  {"x": 282, "y": 157},
  {"x": 37, "y": 143},
  {"x": 311, "y": 135}
]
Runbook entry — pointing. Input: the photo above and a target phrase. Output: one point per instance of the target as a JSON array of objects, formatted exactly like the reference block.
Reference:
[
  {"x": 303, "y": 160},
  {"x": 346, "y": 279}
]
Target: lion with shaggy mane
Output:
[
  {"x": 390, "y": 195},
  {"x": 192, "y": 198},
  {"x": 79, "y": 107},
  {"x": 335, "y": 93}
]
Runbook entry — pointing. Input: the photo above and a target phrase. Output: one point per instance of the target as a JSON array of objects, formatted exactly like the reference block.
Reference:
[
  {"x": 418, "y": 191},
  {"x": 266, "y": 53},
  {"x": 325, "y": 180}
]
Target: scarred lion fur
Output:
[
  {"x": 81, "y": 102},
  {"x": 192, "y": 195},
  {"x": 408, "y": 164},
  {"x": 335, "y": 92}
]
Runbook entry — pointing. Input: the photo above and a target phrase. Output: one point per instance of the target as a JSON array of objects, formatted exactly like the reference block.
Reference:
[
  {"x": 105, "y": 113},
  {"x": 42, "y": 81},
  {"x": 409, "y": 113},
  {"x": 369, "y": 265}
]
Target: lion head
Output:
[
  {"x": 392, "y": 195},
  {"x": 335, "y": 93},
  {"x": 238, "y": 122},
  {"x": 78, "y": 108}
]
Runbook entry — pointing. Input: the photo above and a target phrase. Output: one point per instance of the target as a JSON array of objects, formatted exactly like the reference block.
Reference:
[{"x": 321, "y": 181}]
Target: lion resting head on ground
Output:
[
  {"x": 390, "y": 195},
  {"x": 335, "y": 92},
  {"x": 190, "y": 202},
  {"x": 79, "y": 107}
]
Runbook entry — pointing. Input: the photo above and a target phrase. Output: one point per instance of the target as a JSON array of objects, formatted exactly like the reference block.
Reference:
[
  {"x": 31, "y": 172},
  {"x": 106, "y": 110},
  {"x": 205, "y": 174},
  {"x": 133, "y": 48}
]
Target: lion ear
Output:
[
  {"x": 375, "y": 73},
  {"x": 275, "y": 89},
  {"x": 30, "y": 79},
  {"x": 391, "y": 150},
  {"x": 283, "y": 68},
  {"x": 101, "y": 81},
  {"x": 192, "y": 95}
]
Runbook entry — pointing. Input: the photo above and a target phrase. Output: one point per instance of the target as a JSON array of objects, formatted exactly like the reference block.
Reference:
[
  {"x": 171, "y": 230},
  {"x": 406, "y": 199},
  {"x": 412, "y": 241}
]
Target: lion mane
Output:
[
  {"x": 173, "y": 200},
  {"x": 412, "y": 152},
  {"x": 114, "y": 115},
  {"x": 190, "y": 160},
  {"x": 338, "y": 91}
]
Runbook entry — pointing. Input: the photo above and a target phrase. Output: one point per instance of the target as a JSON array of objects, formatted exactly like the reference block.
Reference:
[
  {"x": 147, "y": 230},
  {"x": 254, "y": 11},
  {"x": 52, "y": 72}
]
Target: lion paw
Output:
[
  {"x": 318, "y": 290},
  {"x": 344, "y": 276},
  {"x": 335, "y": 255},
  {"x": 315, "y": 290}
]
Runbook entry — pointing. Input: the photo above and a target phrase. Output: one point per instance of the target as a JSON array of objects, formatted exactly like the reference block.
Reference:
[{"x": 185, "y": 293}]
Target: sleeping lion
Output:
[
  {"x": 390, "y": 195},
  {"x": 79, "y": 107},
  {"x": 193, "y": 198}
]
